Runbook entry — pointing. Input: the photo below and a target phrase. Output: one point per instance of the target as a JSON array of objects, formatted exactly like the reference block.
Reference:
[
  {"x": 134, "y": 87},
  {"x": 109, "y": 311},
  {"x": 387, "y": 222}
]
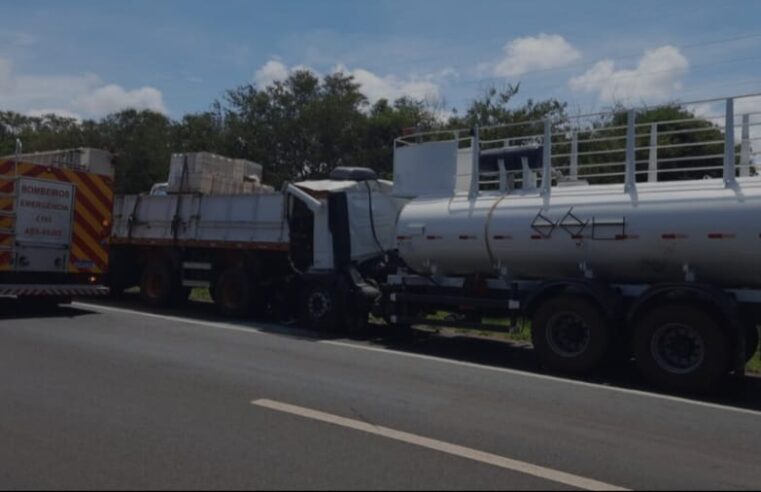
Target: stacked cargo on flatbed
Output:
[
  {"x": 212, "y": 201},
  {"x": 211, "y": 174}
]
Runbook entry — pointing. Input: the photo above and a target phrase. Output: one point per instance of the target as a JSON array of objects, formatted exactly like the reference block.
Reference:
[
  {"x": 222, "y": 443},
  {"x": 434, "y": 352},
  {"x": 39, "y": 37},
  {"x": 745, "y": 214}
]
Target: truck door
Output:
[
  {"x": 44, "y": 215},
  {"x": 301, "y": 231}
]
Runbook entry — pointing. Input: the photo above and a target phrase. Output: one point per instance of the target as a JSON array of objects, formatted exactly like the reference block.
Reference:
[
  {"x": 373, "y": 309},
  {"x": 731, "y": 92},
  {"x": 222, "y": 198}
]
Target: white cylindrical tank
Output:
[{"x": 660, "y": 232}]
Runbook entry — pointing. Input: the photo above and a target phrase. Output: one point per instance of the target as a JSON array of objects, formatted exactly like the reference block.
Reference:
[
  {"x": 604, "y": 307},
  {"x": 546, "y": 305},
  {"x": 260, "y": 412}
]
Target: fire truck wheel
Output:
[
  {"x": 681, "y": 347},
  {"x": 319, "y": 305},
  {"x": 232, "y": 293},
  {"x": 570, "y": 334},
  {"x": 157, "y": 284}
]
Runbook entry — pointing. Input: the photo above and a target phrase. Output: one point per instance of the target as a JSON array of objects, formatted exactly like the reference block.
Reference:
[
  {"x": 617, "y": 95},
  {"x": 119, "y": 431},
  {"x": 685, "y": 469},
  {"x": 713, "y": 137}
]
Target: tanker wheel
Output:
[
  {"x": 319, "y": 307},
  {"x": 682, "y": 348},
  {"x": 571, "y": 334},
  {"x": 232, "y": 293},
  {"x": 751, "y": 342},
  {"x": 158, "y": 286}
]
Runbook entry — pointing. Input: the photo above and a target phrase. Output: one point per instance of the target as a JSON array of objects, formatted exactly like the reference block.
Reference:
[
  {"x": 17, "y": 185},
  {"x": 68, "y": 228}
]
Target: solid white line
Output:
[
  {"x": 441, "y": 446},
  {"x": 177, "y": 319},
  {"x": 677, "y": 399},
  {"x": 472, "y": 365}
]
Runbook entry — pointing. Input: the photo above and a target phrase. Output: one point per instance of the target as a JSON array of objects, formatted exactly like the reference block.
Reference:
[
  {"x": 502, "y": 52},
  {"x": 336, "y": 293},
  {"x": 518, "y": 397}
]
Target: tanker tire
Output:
[
  {"x": 157, "y": 285},
  {"x": 319, "y": 306},
  {"x": 751, "y": 342},
  {"x": 570, "y": 334},
  {"x": 232, "y": 293},
  {"x": 681, "y": 348}
]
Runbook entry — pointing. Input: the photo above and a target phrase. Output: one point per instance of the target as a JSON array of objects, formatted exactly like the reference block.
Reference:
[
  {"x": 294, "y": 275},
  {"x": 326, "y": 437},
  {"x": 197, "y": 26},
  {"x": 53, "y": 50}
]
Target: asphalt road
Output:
[{"x": 96, "y": 397}]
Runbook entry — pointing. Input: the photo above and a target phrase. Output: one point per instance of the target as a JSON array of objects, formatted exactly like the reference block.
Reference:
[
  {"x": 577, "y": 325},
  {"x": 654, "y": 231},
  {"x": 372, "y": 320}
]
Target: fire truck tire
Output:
[
  {"x": 158, "y": 285},
  {"x": 570, "y": 334},
  {"x": 232, "y": 293},
  {"x": 682, "y": 348}
]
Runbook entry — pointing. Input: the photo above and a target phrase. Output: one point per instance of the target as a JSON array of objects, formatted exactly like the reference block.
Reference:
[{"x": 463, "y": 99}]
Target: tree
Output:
[
  {"x": 299, "y": 128},
  {"x": 493, "y": 108},
  {"x": 686, "y": 144},
  {"x": 384, "y": 123},
  {"x": 46, "y": 132},
  {"x": 141, "y": 142},
  {"x": 198, "y": 132},
  {"x": 306, "y": 125}
]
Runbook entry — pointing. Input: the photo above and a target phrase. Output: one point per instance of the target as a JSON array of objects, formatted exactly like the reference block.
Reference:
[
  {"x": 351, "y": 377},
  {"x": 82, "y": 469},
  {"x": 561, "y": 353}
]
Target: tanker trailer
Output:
[{"x": 602, "y": 263}]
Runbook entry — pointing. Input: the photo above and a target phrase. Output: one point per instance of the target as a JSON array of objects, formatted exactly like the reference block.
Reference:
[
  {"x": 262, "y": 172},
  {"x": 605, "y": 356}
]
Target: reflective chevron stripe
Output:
[
  {"x": 52, "y": 290},
  {"x": 92, "y": 212}
]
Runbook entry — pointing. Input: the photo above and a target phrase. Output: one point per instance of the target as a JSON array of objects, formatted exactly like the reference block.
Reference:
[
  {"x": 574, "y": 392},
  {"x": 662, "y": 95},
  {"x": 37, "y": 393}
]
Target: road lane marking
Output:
[
  {"x": 441, "y": 446},
  {"x": 545, "y": 377},
  {"x": 472, "y": 365},
  {"x": 176, "y": 319}
]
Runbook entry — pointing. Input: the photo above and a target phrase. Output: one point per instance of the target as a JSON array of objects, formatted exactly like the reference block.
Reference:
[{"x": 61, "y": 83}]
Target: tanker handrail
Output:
[
  {"x": 585, "y": 115},
  {"x": 570, "y": 144}
]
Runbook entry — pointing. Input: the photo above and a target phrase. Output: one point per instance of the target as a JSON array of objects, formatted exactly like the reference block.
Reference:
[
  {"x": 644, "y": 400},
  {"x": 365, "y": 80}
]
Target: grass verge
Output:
[{"x": 522, "y": 333}]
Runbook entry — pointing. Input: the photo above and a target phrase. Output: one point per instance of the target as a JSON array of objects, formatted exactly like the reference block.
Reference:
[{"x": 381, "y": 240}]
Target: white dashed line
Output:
[{"x": 441, "y": 446}]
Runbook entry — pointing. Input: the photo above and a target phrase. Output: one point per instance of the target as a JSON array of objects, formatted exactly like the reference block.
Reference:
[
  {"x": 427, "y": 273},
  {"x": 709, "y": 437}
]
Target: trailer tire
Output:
[
  {"x": 232, "y": 293},
  {"x": 681, "y": 347},
  {"x": 157, "y": 284},
  {"x": 570, "y": 334},
  {"x": 319, "y": 307}
]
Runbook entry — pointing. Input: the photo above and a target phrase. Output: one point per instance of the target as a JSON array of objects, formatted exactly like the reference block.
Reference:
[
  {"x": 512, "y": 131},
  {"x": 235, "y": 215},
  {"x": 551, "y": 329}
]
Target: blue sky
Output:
[{"x": 86, "y": 58}]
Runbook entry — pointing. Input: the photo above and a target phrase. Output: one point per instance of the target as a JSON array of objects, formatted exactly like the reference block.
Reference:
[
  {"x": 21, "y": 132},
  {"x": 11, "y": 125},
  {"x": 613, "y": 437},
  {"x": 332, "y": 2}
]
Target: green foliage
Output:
[
  {"x": 690, "y": 138},
  {"x": 38, "y": 133},
  {"x": 493, "y": 108},
  {"x": 298, "y": 128},
  {"x": 141, "y": 141},
  {"x": 304, "y": 126}
]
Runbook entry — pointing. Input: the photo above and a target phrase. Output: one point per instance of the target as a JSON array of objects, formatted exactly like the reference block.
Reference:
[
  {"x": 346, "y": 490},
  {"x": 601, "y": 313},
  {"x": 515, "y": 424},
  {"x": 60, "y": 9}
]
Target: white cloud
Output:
[
  {"x": 81, "y": 95},
  {"x": 527, "y": 54},
  {"x": 112, "y": 98},
  {"x": 715, "y": 112},
  {"x": 372, "y": 85},
  {"x": 275, "y": 70},
  {"x": 270, "y": 72},
  {"x": 391, "y": 87},
  {"x": 656, "y": 77}
]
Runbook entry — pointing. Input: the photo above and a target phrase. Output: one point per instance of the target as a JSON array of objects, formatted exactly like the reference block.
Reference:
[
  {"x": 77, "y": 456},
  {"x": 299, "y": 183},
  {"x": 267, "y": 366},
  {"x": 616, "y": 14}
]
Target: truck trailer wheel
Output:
[
  {"x": 158, "y": 287},
  {"x": 681, "y": 347},
  {"x": 319, "y": 307},
  {"x": 232, "y": 293},
  {"x": 570, "y": 334}
]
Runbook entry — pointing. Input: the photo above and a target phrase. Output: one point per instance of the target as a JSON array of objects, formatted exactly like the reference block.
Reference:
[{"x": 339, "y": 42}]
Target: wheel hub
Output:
[
  {"x": 568, "y": 334},
  {"x": 678, "y": 348},
  {"x": 319, "y": 305}
]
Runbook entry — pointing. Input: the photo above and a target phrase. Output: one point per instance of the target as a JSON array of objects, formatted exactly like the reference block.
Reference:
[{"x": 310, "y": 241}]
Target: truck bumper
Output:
[{"x": 54, "y": 290}]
